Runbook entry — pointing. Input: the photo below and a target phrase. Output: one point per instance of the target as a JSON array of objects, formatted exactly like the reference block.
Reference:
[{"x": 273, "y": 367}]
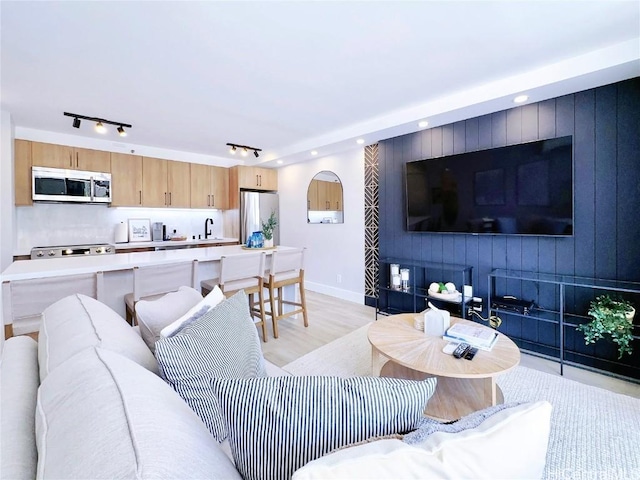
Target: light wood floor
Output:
[{"x": 331, "y": 318}]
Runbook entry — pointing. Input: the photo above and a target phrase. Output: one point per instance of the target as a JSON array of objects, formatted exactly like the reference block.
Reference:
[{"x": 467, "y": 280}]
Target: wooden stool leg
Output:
[
  {"x": 274, "y": 313},
  {"x": 303, "y": 301},
  {"x": 262, "y": 314}
]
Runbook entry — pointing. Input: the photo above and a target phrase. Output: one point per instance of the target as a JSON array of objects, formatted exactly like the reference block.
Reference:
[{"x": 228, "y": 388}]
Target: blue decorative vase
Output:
[{"x": 255, "y": 240}]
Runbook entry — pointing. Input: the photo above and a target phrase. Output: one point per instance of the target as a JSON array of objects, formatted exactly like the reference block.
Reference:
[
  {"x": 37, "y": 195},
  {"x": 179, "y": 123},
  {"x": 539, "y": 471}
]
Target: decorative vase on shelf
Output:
[
  {"x": 268, "y": 243},
  {"x": 256, "y": 240}
]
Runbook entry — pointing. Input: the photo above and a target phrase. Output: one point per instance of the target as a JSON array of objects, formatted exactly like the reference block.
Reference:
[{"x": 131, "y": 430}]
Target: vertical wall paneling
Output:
[
  {"x": 605, "y": 125},
  {"x": 584, "y": 179},
  {"x": 627, "y": 180},
  {"x": 606, "y": 171}
]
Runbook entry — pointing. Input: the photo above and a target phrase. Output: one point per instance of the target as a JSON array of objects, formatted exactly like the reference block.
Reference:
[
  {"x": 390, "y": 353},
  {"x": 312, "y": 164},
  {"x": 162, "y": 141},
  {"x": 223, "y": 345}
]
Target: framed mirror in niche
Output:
[{"x": 325, "y": 199}]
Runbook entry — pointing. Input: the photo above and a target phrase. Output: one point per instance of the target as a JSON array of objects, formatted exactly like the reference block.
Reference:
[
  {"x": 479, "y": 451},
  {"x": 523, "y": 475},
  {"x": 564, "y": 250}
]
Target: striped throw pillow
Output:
[
  {"x": 278, "y": 424},
  {"x": 222, "y": 343}
]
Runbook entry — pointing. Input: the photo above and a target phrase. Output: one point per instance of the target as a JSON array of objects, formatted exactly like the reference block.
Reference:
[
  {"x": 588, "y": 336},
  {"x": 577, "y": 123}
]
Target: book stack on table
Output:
[{"x": 479, "y": 337}]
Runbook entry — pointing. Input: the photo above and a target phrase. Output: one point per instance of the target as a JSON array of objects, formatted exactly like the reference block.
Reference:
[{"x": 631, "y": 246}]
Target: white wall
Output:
[
  {"x": 332, "y": 249},
  {"x": 7, "y": 214}
]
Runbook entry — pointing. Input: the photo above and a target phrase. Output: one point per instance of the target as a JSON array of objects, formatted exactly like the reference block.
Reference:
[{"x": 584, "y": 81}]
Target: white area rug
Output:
[{"x": 595, "y": 434}]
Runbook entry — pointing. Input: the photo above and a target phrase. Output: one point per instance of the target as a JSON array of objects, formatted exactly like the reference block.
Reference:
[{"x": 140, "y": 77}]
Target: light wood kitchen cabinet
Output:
[
  {"x": 324, "y": 195},
  {"x": 165, "y": 183},
  {"x": 312, "y": 196},
  {"x": 126, "y": 177},
  {"x": 257, "y": 178},
  {"x": 251, "y": 178},
  {"x": 179, "y": 184},
  {"x": 75, "y": 158},
  {"x": 22, "y": 172},
  {"x": 334, "y": 195},
  {"x": 209, "y": 186}
]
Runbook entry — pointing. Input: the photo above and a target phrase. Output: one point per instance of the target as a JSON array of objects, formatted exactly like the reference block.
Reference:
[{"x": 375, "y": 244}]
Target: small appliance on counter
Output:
[
  {"x": 158, "y": 232},
  {"x": 122, "y": 233}
]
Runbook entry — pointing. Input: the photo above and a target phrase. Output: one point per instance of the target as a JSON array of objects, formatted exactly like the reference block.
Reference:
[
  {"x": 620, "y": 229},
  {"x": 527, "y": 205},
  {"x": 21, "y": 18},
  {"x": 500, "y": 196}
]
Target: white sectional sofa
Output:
[{"x": 86, "y": 401}]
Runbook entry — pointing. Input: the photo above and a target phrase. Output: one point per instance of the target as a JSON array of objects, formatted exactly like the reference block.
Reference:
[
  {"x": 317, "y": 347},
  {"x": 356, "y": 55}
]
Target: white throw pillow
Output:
[
  {"x": 510, "y": 443},
  {"x": 213, "y": 298},
  {"x": 154, "y": 315},
  {"x": 379, "y": 460}
]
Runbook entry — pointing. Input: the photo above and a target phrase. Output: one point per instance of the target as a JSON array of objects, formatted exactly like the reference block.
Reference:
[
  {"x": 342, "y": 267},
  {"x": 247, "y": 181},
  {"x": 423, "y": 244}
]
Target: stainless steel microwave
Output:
[{"x": 62, "y": 185}]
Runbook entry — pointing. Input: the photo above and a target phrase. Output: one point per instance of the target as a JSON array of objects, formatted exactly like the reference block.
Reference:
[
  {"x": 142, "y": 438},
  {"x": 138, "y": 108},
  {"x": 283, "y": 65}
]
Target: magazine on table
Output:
[{"x": 480, "y": 337}]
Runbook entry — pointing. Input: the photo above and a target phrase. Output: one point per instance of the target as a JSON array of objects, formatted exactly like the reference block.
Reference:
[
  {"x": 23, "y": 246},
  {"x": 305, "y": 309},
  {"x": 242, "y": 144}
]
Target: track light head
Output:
[
  {"x": 100, "y": 128},
  {"x": 232, "y": 150},
  {"x": 255, "y": 152},
  {"x": 121, "y": 131},
  {"x": 76, "y": 122},
  {"x": 244, "y": 152}
]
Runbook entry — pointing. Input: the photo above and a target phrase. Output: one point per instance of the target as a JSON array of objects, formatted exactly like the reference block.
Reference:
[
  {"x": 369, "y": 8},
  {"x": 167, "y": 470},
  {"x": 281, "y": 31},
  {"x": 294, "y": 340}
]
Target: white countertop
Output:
[
  {"x": 29, "y": 269},
  {"x": 173, "y": 243}
]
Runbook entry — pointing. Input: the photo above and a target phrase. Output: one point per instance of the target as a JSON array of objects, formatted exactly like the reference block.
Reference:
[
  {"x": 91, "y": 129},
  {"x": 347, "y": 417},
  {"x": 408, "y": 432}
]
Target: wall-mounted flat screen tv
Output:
[{"x": 523, "y": 189}]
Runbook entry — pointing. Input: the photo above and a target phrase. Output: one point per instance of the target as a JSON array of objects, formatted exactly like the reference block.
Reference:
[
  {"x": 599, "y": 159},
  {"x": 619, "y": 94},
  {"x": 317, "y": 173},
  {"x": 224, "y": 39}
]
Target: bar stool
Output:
[
  {"x": 23, "y": 301},
  {"x": 242, "y": 272},
  {"x": 287, "y": 268},
  {"x": 153, "y": 281}
]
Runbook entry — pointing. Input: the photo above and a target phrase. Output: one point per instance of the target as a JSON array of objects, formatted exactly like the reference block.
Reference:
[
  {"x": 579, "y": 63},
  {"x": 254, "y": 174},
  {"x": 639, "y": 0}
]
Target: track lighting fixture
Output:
[
  {"x": 100, "y": 123},
  {"x": 245, "y": 149}
]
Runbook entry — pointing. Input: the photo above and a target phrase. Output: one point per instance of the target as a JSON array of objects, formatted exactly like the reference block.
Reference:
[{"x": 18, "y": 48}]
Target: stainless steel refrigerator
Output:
[{"x": 255, "y": 208}]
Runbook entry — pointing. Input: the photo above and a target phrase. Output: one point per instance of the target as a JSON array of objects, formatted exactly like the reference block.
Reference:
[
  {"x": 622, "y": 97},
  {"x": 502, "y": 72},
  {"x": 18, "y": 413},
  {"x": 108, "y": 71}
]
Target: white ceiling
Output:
[{"x": 291, "y": 77}]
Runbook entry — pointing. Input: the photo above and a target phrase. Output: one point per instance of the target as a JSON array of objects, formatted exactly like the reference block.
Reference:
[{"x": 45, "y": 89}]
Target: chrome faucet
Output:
[{"x": 207, "y": 231}]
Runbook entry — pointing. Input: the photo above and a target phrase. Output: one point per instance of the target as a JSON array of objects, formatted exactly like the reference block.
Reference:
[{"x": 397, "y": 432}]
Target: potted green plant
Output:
[
  {"x": 267, "y": 229},
  {"x": 612, "y": 317}
]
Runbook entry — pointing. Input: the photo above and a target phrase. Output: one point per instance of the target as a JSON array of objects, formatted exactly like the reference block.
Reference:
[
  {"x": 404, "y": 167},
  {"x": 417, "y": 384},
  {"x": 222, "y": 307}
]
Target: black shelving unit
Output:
[
  {"x": 391, "y": 301},
  {"x": 561, "y": 304}
]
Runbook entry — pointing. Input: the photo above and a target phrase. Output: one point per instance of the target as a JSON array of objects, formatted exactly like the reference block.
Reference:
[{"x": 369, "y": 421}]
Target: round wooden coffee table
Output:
[{"x": 464, "y": 386}]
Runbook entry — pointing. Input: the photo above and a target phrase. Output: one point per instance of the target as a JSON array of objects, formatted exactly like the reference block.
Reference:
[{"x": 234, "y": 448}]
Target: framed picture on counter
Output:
[{"x": 139, "y": 230}]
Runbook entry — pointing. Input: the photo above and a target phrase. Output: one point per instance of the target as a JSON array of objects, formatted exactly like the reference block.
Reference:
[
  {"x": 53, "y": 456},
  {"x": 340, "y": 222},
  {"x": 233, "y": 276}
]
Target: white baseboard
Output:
[{"x": 348, "y": 295}]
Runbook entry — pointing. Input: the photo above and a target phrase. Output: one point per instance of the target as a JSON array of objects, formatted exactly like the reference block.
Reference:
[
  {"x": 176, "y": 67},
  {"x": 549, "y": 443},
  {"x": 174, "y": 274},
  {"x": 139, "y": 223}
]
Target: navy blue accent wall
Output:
[{"x": 605, "y": 124}]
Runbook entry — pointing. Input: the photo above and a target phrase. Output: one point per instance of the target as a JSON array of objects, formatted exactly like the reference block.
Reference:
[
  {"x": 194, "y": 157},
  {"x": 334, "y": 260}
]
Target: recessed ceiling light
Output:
[
  {"x": 360, "y": 141},
  {"x": 423, "y": 123},
  {"x": 314, "y": 152},
  {"x": 279, "y": 162},
  {"x": 521, "y": 99}
]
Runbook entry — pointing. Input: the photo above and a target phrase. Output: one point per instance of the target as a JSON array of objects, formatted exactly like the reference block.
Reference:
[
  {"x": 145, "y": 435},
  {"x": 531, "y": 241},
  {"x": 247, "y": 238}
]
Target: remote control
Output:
[
  {"x": 470, "y": 353},
  {"x": 461, "y": 350}
]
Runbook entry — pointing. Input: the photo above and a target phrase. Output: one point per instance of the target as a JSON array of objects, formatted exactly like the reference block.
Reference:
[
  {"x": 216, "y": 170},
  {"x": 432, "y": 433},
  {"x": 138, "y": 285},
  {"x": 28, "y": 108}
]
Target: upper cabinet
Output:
[
  {"x": 165, "y": 183},
  {"x": 250, "y": 178},
  {"x": 63, "y": 156},
  {"x": 126, "y": 176},
  {"x": 209, "y": 186},
  {"x": 256, "y": 178},
  {"x": 22, "y": 172}
]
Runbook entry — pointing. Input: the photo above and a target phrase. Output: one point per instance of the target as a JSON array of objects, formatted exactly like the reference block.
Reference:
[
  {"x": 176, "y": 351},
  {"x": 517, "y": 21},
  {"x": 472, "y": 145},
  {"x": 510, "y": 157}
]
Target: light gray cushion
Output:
[
  {"x": 19, "y": 382},
  {"x": 222, "y": 343},
  {"x": 154, "y": 315},
  {"x": 77, "y": 322},
  {"x": 100, "y": 415},
  {"x": 278, "y": 424}
]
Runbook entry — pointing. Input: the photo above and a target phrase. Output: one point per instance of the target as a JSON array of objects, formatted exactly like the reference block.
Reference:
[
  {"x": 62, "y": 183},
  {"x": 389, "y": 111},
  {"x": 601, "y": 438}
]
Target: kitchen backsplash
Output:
[{"x": 47, "y": 224}]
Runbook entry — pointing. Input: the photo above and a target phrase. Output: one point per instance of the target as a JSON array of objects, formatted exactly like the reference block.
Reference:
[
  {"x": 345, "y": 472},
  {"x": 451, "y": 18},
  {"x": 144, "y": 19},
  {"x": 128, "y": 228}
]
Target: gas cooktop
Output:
[{"x": 61, "y": 251}]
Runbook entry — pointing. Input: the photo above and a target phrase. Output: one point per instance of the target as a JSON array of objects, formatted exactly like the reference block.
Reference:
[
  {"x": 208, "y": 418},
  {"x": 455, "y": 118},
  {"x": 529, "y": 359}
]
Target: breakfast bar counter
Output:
[
  {"x": 53, "y": 278},
  {"x": 31, "y": 269}
]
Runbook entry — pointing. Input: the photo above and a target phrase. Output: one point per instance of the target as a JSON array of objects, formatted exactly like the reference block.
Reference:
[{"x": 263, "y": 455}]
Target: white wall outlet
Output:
[{"x": 339, "y": 278}]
